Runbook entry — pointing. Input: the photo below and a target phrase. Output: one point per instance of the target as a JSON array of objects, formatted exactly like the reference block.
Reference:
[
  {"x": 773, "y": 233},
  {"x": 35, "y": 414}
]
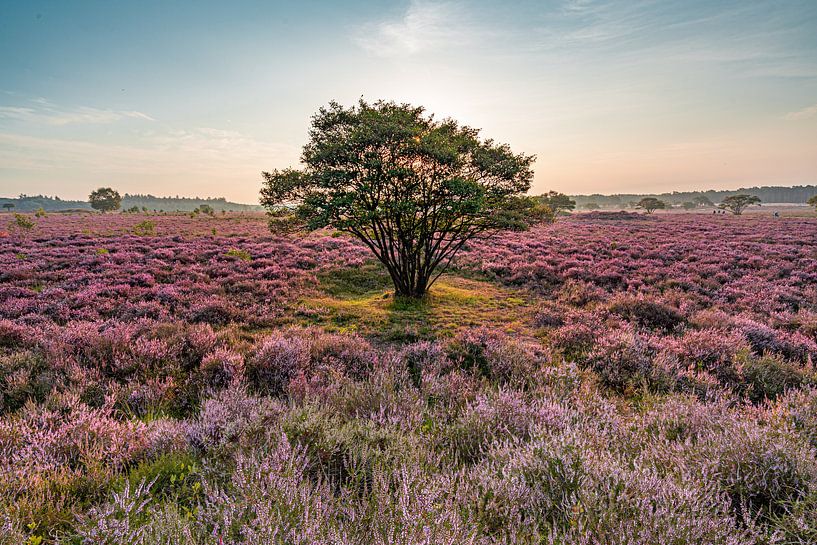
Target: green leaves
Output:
[{"x": 412, "y": 188}]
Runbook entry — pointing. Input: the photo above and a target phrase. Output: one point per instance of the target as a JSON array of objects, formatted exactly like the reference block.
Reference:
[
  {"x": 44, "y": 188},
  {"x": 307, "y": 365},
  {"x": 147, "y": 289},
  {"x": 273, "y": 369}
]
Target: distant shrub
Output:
[
  {"x": 238, "y": 254},
  {"x": 145, "y": 228}
]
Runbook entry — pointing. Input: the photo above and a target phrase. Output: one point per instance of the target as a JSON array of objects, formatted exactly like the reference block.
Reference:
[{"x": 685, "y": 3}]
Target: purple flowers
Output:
[{"x": 658, "y": 387}]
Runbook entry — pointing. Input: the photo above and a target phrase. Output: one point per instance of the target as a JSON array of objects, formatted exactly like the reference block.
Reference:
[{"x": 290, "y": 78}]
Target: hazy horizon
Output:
[{"x": 612, "y": 97}]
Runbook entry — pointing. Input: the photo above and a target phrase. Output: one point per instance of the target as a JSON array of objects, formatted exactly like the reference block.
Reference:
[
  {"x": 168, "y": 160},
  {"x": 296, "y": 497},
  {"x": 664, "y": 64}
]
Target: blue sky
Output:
[{"x": 196, "y": 98}]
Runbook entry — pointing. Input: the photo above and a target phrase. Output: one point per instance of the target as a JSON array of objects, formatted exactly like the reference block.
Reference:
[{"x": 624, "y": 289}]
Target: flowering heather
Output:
[{"x": 206, "y": 382}]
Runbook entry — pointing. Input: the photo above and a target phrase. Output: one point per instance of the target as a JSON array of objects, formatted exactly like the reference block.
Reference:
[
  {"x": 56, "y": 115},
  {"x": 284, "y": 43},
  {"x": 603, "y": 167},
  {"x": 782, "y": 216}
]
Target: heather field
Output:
[{"x": 611, "y": 378}]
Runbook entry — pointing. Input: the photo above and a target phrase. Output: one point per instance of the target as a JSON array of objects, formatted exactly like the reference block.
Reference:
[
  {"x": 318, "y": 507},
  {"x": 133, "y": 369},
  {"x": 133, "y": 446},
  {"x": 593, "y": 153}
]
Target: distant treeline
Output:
[
  {"x": 26, "y": 203},
  {"x": 768, "y": 194}
]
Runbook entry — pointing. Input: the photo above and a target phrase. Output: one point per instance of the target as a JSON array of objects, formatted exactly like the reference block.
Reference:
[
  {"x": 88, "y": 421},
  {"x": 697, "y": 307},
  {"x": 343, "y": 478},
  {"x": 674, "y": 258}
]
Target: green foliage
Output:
[
  {"x": 558, "y": 202},
  {"x": 812, "y": 201},
  {"x": 23, "y": 222},
  {"x": 689, "y": 205},
  {"x": 738, "y": 203},
  {"x": 40, "y": 213},
  {"x": 243, "y": 255},
  {"x": 205, "y": 209},
  {"x": 702, "y": 200},
  {"x": 145, "y": 228},
  {"x": 174, "y": 476},
  {"x": 105, "y": 199},
  {"x": 412, "y": 188},
  {"x": 651, "y": 204}
]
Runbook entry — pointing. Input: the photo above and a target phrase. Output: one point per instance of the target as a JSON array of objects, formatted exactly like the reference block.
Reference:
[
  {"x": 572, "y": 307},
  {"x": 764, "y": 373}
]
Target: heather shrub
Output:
[
  {"x": 525, "y": 490},
  {"x": 233, "y": 420},
  {"x": 760, "y": 469},
  {"x": 422, "y": 358},
  {"x": 712, "y": 351},
  {"x": 488, "y": 419},
  {"x": 799, "y": 409},
  {"x": 24, "y": 376},
  {"x": 350, "y": 354},
  {"x": 623, "y": 362},
  {"x": 215, "y": 310},
  {"x": 646, "y": 313},
  {"x": 271, "y": 367},
  {"x": 549, "y": 314},
  {"x": 494, "y": 356},
  {"x": 767, "y": 377},
  {"x": 221, "y": 368}
]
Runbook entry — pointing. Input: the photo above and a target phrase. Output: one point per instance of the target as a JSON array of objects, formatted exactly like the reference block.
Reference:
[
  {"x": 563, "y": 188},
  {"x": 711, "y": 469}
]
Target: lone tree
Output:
[
  {"x": 651, "y": 204},
  {"x": 105, "y": 199},
  {"x": 738, "y": 203},
  {"x": 812, "y": 201},
  {"x": 8, "y": 206},
  {"x": 689, "y": 205},
  {"x": 558, "y": 202},
  {"x": 412, "y": 188}
]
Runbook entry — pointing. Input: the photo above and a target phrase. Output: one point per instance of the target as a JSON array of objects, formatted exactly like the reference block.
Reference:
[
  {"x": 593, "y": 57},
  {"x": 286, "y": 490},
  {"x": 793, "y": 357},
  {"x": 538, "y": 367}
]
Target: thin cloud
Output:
[
  {"x": 805, "y": 113},
  {"x": 424, "y": 26},
  {"x": 44, "y": 112}
]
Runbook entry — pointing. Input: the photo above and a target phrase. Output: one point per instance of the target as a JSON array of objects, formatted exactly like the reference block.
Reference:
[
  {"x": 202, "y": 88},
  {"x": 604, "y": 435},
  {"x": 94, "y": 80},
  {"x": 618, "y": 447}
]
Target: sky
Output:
[{"x": 197, "y": 98}]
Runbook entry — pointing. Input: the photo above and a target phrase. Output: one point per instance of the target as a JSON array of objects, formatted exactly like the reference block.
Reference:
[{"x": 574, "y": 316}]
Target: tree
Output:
[
  {"x": 688, "y": 205},
  {"x": 413, "y": 189},
  {"x": 738, "y": 203},
  {"x": 702, "y": 200},
  {"x": 592, "y": 206},
  {"x": 812, "y": 201},
  {"x": 651, "y": 204},
  {"x": 558, "y": 202},
  {"x": 8, "y": 206},
  {"x": 105, "y": 199}
]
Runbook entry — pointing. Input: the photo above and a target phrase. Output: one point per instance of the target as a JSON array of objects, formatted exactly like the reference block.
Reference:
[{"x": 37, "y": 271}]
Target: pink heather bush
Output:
[{"x": 658, "y": 387}]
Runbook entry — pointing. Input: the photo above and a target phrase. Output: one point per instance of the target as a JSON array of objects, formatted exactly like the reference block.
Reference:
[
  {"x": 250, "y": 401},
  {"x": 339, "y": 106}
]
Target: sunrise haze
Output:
[{"x": 197, "y": 98}]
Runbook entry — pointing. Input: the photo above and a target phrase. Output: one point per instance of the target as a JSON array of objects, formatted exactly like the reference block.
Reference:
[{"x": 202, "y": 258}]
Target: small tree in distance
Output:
[
  {"x": 413, "y": 189},
  {"x": 812, "y": 201},
  {"x": 8, "y": 206},
  {"x": 558, "y": 202},
  {"x": 592, "y": 206},
  {"x": 688, "y": 205},
  {"x": 105, "y": 199},
  {"x": 651, "y": 204},
  {"x": 738, "y": 203}
]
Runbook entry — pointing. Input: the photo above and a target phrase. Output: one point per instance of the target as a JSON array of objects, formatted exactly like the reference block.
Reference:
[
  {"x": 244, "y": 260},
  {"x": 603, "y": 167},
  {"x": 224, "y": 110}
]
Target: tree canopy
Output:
[
  {"x": 812, "y": 201},
  {"x": 105, "y": 199},
  {"x": 414, "y": 189},
  {"x": 738, "y": 203},
  {"x": 558, "y": 202},
  {"x": 651, "y": 204}
]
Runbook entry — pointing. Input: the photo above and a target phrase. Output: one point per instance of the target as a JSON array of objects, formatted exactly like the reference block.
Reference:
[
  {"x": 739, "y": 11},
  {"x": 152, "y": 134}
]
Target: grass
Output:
[{"x": 362, "y": 300}]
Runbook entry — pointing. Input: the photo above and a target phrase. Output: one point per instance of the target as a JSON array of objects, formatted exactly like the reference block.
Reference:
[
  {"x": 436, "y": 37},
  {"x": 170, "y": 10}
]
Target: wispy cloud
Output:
[
  {"x": 424, "y": 26},
  {"x": 41, "y": 111},
  {"x": 805, "y": 113},
  {"x": 202, "y": 152}
]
